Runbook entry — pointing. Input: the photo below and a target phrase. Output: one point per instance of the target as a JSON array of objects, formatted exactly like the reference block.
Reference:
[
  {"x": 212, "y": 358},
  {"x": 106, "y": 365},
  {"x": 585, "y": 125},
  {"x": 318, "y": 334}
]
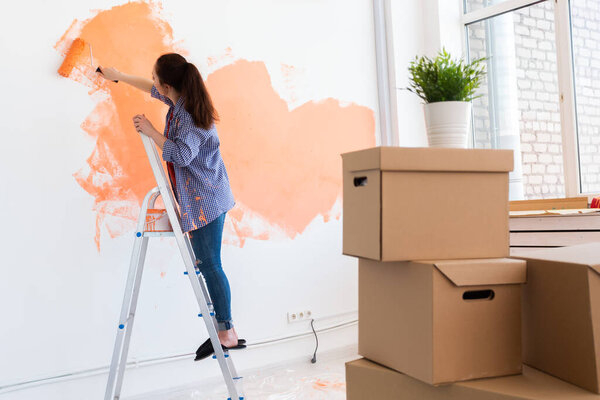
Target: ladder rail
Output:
[
  {"x": 131, "y": 316},
  {"x": 201, "y": 294},
  {"x": 119, "y": 358},
  {"x": 190, "y": 251},
  {"x": 187, "y": 254}
]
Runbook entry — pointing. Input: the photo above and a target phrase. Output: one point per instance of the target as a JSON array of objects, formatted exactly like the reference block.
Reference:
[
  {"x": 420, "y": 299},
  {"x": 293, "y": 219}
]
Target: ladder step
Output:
[
  {"x": 154, "y": 234},
  {"x": 211, "y": 309},
  {"x": 122, "y": 324}
]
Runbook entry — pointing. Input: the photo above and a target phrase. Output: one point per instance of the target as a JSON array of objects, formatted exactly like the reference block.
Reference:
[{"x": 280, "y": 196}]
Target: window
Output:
[
  {"x": 585, "y": 30},
  {"x": 541, "y": 95}
]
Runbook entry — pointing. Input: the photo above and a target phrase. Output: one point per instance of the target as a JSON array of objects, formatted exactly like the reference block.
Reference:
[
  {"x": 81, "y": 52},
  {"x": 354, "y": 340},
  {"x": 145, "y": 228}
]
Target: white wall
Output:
[
  {"x": 420, "y": 28},
  {"x": 60, "y": 297}
]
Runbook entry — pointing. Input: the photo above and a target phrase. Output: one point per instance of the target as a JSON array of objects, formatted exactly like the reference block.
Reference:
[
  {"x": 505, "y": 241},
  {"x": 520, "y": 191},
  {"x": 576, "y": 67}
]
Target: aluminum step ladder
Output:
[{"x": 132, "y": 288}]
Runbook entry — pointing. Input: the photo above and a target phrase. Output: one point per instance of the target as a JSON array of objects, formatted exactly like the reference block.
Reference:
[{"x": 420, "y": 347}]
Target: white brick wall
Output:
[
  {"x": 539, "y": 115},
  {"x": 586, "y": 55}
]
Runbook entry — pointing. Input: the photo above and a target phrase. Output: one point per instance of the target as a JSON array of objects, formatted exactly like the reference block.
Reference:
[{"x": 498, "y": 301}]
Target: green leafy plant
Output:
[{"x": 444, "y": 78}]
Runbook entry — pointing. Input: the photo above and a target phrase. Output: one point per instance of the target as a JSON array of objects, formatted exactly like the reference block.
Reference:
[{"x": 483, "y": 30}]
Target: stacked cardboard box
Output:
[
  {"x": 367, "y": 380},
  {"x": 442, "y": 321},
  {"x": 561, "y": 314},
  {"x": 426, "y": 203},
  {"x": 456, "y": 318}
]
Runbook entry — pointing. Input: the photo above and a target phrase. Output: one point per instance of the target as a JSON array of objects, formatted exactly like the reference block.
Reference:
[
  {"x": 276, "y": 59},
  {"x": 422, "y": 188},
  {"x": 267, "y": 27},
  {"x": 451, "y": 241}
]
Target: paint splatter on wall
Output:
[{"x": 284, "y": 166}]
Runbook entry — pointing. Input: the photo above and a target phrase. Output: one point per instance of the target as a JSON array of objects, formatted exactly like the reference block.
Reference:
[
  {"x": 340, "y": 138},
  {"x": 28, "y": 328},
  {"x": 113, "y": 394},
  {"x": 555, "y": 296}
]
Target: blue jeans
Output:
[{"x": 206, "y": 243}]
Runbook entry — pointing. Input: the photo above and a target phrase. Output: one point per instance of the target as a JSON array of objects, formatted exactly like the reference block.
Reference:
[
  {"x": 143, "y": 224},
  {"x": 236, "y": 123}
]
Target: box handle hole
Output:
[
  {"x": 478, "y": 295},
  {"x": 360, "y": 181}
]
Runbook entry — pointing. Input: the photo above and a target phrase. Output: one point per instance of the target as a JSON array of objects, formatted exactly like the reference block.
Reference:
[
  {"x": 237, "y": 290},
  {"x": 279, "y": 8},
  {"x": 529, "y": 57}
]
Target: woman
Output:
[{"x": 190, "y": 146}]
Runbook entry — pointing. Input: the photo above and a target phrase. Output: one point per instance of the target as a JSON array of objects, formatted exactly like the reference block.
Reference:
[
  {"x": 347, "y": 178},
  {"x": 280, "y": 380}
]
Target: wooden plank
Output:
[
  {"x": 549, "y": 204},
  {"x": 525, "y": 251},
  {"x": 565, "y": 212},
  {"x": 558, "y": 239},
  {"x": 555, "y": 223}
]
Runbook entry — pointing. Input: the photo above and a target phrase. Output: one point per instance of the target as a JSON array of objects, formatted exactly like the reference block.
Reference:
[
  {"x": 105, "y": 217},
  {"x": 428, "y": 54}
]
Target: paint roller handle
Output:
[
  {"x": 111, "y": 73},
  {"x": 138, "y": 82}
]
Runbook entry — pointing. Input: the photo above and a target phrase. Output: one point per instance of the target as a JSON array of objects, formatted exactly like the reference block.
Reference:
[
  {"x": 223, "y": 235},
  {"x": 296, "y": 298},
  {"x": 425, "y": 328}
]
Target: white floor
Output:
[
  {"x": 265, "y": 375},
  {"x": 296, "y": 380}
]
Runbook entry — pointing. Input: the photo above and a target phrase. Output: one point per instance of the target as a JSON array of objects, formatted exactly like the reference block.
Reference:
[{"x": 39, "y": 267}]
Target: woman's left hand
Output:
[{"x": 143, "y": 125}]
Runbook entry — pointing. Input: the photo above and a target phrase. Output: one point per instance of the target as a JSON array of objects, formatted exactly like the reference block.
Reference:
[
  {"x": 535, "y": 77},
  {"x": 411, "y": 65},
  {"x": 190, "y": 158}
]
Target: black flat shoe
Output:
[
  {"x": 206, "y": 349},
  {"x": 240, "y": 341},
  {"x": 203, "y": 346}
]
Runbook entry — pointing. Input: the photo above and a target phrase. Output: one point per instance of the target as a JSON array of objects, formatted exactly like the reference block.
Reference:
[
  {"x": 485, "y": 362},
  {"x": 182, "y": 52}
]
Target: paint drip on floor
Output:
[{"x": 286, "y": 384}]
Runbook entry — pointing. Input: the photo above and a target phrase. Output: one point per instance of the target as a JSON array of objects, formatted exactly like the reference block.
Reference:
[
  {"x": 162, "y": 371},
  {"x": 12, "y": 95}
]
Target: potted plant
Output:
[{"x": 447, "y": 87}]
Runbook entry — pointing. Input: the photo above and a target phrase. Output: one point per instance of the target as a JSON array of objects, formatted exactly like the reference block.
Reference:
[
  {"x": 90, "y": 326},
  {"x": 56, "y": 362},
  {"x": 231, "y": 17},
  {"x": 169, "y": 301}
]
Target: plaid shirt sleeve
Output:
[
  {"x": 184, "y": 146},
  {"x": 154, "y": 93}
]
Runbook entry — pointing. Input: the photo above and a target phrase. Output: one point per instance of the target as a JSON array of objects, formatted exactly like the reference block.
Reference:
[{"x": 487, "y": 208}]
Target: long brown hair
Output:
[{"x": 174, "y": 70}]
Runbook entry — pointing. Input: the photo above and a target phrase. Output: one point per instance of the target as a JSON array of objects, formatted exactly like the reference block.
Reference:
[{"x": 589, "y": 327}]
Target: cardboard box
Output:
[
  {"x": 418, "y": 317},
  {"x": 366, "y": 380},
  {"x": 426, "y": 203},
  {"x": 561, "y": 314}
]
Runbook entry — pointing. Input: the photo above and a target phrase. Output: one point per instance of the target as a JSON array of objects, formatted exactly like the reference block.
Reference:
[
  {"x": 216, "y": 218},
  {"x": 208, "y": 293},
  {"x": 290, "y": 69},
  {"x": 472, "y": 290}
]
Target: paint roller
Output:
[{"x": 75, "y": 57}]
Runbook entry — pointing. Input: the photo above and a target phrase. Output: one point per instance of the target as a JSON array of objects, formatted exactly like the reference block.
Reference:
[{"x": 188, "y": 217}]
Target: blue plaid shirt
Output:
[{"x": 202, "y": 185}]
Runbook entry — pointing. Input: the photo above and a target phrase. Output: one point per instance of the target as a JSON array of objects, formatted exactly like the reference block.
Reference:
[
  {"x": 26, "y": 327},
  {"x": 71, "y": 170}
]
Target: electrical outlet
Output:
[{"x": 296, "y": 316}]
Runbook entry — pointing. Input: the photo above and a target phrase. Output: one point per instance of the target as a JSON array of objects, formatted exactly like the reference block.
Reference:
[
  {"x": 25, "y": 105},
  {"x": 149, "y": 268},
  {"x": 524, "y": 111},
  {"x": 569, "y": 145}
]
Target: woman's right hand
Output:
[{"x": 109, "y": 73}]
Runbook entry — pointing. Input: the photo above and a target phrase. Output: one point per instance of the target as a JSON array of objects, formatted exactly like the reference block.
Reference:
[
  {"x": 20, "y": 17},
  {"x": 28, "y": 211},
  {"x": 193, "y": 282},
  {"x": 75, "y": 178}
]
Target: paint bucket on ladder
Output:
[{"x": 157, "y": 221}]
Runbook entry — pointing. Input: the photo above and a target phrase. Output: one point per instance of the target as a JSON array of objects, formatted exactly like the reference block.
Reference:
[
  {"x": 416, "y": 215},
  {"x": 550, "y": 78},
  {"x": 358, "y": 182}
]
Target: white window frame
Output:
[
  {"x": 566, "y": 83},
  {"x": 386, "y": 76}
]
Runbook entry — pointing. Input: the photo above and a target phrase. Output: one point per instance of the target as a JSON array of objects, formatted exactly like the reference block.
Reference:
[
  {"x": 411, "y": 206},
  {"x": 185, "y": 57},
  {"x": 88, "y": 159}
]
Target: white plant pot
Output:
[{"x": 448, "y": 123}]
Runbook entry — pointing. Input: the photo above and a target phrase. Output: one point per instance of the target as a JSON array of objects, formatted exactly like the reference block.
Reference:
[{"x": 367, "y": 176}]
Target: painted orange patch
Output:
[
  {"x": 129, "y": 37},
  {"x": 202, "y": 217},
  {"x": 284, "y": 166}
]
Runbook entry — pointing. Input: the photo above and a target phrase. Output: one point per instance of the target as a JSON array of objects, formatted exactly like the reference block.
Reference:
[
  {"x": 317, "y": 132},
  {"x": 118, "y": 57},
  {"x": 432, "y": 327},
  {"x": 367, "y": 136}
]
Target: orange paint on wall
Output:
[
  {"x": 284, "y": 165},
  {"x": 129, "y": 37}
]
